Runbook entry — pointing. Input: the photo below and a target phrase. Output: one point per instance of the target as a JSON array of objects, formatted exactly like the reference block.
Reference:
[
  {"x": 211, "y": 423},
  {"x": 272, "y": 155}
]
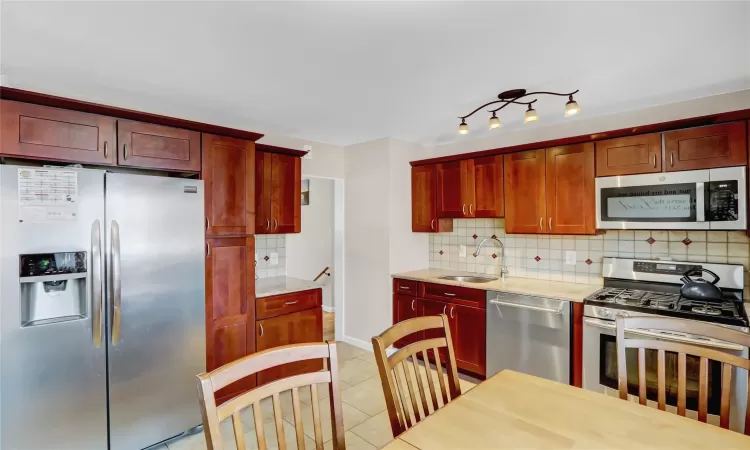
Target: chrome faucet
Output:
[{"x": 503, "y": 268}]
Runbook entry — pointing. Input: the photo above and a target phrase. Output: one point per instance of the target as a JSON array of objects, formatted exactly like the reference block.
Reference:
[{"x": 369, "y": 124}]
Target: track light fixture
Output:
[{"x": 516, "y": 96}]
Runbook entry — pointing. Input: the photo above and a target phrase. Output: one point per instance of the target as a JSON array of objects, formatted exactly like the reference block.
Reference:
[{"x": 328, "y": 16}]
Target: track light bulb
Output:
[
  {"x": 463, "y": 128},
  {"x": 494, "y": 122},
  {"x": 571, "y": 108},
  {"x": 530, "y": 115}
]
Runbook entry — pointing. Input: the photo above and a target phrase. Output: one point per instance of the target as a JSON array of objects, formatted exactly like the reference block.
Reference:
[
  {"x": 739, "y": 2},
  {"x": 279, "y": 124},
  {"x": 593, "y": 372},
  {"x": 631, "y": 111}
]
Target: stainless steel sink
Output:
[{"x": 469, "y": 279}]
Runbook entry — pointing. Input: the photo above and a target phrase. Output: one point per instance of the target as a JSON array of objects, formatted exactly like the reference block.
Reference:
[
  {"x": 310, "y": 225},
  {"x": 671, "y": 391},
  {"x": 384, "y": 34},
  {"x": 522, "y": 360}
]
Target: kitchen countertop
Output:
[
  {"x": 266, "y": 287},
  {"x": 530, "y": 286}
]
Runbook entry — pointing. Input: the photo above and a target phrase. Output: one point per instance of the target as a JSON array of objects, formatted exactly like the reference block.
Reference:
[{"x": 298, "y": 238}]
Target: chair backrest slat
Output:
[
  {"x": 209, "y": 383},
  {"x": 634, "y": 325},
  {"x": 404, "y": 408}
]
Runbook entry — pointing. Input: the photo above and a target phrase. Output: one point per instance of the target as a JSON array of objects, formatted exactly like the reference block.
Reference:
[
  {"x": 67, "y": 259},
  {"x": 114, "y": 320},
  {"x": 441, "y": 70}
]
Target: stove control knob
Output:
[{"x": 604, "y": 312}]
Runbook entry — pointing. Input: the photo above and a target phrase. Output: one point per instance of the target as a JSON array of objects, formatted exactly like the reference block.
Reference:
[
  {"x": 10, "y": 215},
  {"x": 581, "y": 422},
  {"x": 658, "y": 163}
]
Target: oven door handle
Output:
[{"x": 606, "y": 324}]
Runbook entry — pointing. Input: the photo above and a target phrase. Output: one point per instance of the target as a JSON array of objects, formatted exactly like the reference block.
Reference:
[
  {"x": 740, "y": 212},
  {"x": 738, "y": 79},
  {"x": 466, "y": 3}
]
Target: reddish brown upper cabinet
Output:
[
  {"x": 629, "y": 155},
  {"x": 570, "y": 189},
  {"x": 278, "y": 192},
  {"x": 525, "y": 196},
  {"x": 489, "y": 200},
  {"x": 230, "y": 314},
  {"x": 424, "y": 216},
  {"x": 295, "y": 328},
  {"x": 450, "y": 200},
  {"x": 150, "y": 146},
  {"x": 722, "y": 145},
  {"x": 41, "y": 132},
  {"x": 229, "y": 181}
]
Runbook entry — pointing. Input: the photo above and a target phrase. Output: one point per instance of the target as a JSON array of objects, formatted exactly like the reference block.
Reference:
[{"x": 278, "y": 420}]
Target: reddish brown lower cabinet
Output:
[
  {"x": 230, "y": 313},
  {"x": 295, "y": 328},
  {"x": 405, "y": 307},
  {"x": 468, "y": 326},
  {"x": 576, "y": 357},
  {"x": 40, "y": 132}
]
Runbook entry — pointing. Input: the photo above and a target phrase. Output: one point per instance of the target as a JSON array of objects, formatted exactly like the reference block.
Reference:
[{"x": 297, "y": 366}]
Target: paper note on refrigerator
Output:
[{"x": 47, "y": 194}]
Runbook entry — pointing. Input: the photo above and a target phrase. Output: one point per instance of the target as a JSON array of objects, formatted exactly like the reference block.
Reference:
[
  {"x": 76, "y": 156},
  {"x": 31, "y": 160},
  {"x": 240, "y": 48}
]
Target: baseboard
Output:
[
  {"x": 364, "y": 345},
  {"x": 329, "y": 309}
]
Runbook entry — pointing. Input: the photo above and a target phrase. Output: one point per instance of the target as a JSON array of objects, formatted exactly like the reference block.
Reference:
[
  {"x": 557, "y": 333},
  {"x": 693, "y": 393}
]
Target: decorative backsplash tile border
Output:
[
  {"x": 543, "y": 256},
  {"x": 264, "y": 246}
]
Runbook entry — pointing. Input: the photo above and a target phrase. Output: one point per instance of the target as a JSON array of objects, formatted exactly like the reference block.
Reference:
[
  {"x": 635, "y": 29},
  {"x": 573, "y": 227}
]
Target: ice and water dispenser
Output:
[{"x": 53, "y": 287}]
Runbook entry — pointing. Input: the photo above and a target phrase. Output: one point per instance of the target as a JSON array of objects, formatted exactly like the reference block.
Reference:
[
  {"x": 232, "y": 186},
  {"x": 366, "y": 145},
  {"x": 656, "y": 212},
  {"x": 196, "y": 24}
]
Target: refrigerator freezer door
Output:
[
  {"x": 156, "y": 339},
  {"x": 53, "y": 391}
]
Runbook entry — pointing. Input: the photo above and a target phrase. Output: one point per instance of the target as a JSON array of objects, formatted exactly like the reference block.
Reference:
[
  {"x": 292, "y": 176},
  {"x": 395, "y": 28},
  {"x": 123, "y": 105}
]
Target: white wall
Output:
[
  {"x": 580, "y": 125},
  {"x": 327, "y": 160},
  {"x": 311, "y": 250},
  {"x": 378, "y": 237}
]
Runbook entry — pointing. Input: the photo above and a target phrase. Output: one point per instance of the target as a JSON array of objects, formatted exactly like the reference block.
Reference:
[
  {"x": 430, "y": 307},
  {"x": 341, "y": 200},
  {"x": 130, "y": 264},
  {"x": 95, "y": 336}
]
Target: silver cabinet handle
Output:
[
  {"x": 671, "y": 159},
  {"x": 208, "y": 223},
  {"x": 449, "y": 294},
  {"x": 208, "y": 249},
  {"x": 463, "y": 209},
  {"x": 654, "y": 160},
  {"x": 268, "y": 224},
  {"x": 432, "y": 224},
  {"x": 451, "y": 312},
  {"x": 471, "y": 205},
  {"x": 116, "y": 281},
  {"x": 261, "y": 329},
  {"x": 535, "y": 308},
  {"x": 550, "y": 224},
  {"x": 291, "y": 303},
  {"x": 106, "y": 150},
  {"x": 444, "y": 308},
  {"x": 275, "y": 224},
  {"x": 541, "y": 220},
  {"x": 97, "y": 301},
  {"x": 412, "y": 304},
  {"x": 125, "y": 152},
  {"x": 404, "y": 288}
]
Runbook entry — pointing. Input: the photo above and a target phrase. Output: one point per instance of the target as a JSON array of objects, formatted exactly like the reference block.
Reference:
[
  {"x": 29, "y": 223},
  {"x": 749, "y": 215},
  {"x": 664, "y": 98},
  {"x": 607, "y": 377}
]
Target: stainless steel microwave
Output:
[{"x": 713, "y": 199}]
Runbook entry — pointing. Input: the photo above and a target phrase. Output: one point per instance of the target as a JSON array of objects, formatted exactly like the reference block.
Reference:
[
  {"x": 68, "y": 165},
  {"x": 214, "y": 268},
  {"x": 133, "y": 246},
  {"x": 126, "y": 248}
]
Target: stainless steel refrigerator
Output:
[{"x": 102, "y": 321}]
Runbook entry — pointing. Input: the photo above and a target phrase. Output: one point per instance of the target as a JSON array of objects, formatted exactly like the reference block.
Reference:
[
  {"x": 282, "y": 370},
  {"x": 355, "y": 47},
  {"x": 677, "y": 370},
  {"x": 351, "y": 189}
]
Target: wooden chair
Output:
[
  {"x": 642, "y": 343},
  {"x": 209, "y": 383},
  {"x": 397, "y": 398}
]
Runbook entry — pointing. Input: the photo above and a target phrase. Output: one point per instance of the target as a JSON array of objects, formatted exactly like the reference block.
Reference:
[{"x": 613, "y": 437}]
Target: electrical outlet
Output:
[
  {"x": 274, "y": 261},
  {"x": 570, "y": 257},
  {"x": 462, "y": 251}
]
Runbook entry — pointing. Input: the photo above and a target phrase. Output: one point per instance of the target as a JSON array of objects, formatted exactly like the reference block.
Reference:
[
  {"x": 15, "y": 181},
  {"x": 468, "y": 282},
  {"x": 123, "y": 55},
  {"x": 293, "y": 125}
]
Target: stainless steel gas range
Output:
[{"x": 652, "y": 288}]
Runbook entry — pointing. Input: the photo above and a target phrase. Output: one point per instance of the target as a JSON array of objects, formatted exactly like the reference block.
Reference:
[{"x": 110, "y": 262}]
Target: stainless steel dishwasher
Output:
[{"x": 528, "y": 334}]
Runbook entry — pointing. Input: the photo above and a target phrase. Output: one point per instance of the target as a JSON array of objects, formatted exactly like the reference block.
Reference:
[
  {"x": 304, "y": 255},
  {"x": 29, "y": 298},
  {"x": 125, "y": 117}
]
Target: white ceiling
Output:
[{"x": 344, "y": 73}]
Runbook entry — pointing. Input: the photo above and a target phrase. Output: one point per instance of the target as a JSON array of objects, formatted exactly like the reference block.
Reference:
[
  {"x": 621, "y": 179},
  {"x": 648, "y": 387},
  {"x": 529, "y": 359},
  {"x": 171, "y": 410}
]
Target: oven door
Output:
[
  {"x": 725, "y": 194},
  {"x": 600, "y": 374},
  {"x": 654, "y": 201}
]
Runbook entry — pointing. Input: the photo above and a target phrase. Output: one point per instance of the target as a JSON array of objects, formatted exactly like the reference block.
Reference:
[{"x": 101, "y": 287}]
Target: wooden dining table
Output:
[{"x": 514, "y": 410}]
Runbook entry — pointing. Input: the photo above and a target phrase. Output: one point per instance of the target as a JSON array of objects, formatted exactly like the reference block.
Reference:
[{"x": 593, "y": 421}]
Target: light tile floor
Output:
[{"x": 365, "y": 418}]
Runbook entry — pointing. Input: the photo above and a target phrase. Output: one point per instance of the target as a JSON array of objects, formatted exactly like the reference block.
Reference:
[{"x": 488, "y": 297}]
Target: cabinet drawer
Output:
[
  {"x": 404, "y": 287},
  {"x": 454, "y": 294},
  {"x": 287, "y": 303}
]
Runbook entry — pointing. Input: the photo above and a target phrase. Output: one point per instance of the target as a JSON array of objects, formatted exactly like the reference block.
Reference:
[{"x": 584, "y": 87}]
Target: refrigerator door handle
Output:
[
  {"x": 116, "y": 282},
  {"x": 97, "y": 300}
]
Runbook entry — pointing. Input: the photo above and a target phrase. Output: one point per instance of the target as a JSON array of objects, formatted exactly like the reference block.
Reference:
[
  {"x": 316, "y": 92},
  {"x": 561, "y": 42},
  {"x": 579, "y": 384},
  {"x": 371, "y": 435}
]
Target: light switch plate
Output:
[
  {"x": 570, "y": 257},
  {"x": 462, "y": 251},
  {"x": 275, "y": 259}
]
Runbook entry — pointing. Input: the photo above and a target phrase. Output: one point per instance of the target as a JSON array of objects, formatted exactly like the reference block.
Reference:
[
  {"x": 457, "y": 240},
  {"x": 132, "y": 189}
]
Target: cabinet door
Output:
[
  {"x": 228, "y": 173},
  {"x": 629, "y": 155},
  {"x": 435, "y": 308},
  {"x": 405, "y": 307},
  {"x": 40, "y": 132},
  {"x": 722, "y": 145},
  {"x": 424, "y": 202},
  {"x": 150, "y": 146},
  {"x": 570, "y": 190},
  {"x": 468, "y": 326},
  {"x": 286, "y": 194},
  {"x": 230, "y": 315},
  {"x": 262, "y": 193},
  {"x": 525, "y": 208},
  {"x": 295, "y": 328},
  {"x": 487, "y": 178},
  {"x": 449, "y": 190}
]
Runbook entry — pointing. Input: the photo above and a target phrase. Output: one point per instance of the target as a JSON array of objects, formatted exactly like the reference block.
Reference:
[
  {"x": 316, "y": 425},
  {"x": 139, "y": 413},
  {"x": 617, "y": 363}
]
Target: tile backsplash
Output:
[
  {"x": 264, "y": 246},
  {"x": 543, "y": 256}
]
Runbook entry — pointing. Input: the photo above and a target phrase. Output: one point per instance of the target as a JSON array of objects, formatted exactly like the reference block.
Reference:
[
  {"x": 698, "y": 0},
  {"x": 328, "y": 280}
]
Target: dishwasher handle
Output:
[{"x": 557, "y": 311}]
